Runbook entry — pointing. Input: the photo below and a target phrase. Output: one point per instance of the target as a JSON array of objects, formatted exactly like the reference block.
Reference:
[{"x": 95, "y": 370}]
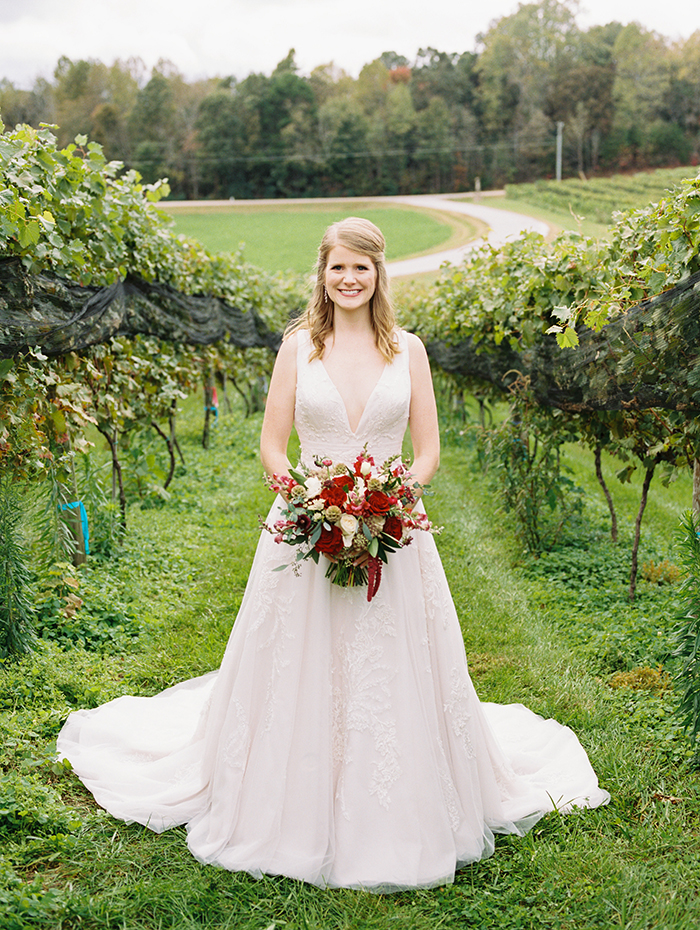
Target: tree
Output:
[
  {"x": 581, "y": 93},
  {"x": 275, "y": 101},
  {"x": 343, "y": 130},
  {"x": 448, "y": 76},
  {"x": 372, "y": 86},
  {"x": 152, "y": 126},
  {"x": 223, "y": 128},
  {"x": 162, "y": 126},
  {"x": 400, "y": 122},
  {"x": 684, "y": 102},
  {"x": 96, "y": 101},
  {"x": 518, "y": 60},
  {"x": 392, "y": 60},
  {"x": 642, "y": 83},
  {"x": 17, "y": 106},
  {"x": 435, "y": 142},
  {"x": 327, "y": 81}
]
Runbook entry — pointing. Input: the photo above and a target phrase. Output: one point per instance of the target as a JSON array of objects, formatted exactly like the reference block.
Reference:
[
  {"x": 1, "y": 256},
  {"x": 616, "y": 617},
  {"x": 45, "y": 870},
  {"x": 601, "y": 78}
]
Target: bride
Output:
[{"x": 341, "y": 742}]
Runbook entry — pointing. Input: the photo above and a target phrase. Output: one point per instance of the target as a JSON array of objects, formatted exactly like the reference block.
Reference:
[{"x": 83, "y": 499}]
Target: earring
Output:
[{"x": 325, "y": 294}]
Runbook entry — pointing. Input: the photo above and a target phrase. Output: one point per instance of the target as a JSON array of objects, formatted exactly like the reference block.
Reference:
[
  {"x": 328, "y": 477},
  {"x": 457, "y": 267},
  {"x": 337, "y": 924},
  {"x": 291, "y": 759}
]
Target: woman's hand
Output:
[{"x": 360, "y": 562}]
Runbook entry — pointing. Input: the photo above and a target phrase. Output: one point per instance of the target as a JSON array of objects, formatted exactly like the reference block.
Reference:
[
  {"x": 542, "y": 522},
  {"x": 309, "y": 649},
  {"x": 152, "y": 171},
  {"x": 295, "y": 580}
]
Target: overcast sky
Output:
[{"x": 206, "y": 38}]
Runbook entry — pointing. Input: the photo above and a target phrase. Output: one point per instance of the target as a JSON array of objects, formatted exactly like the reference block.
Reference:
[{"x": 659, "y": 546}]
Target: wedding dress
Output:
[{"x": 341, "y": 742}]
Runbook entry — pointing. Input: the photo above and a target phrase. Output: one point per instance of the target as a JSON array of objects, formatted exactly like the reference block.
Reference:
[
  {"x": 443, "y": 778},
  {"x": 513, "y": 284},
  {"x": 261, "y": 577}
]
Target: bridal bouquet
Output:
[{"x": 344, "y": 511}]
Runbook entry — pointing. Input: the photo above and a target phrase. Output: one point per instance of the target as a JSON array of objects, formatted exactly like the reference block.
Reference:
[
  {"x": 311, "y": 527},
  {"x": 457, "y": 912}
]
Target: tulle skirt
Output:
[{"x": 341, "y": 742}]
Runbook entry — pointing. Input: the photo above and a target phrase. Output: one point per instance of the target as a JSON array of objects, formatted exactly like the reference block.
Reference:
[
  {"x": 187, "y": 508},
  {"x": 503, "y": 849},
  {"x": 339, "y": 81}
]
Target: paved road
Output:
[{"x": 503, "y": 225}]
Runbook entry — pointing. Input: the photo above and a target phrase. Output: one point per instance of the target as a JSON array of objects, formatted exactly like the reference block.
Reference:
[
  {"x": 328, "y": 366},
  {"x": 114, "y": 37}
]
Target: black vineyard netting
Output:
[
  {"x": 59, "y": 316},
  {"x": 647, "y": 357}
]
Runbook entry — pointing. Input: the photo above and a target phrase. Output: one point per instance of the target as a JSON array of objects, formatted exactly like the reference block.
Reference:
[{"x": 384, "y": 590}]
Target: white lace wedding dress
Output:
[{"x": 340, "y": 742}]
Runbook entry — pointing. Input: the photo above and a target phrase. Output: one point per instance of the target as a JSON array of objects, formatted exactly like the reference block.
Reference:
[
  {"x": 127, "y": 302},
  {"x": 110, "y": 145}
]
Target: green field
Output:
[{"x": 285, "y": 238}]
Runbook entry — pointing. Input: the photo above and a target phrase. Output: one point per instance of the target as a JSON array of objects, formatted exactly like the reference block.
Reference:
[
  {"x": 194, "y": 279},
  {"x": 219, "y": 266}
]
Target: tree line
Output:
[{"x": 628, "y": 98}]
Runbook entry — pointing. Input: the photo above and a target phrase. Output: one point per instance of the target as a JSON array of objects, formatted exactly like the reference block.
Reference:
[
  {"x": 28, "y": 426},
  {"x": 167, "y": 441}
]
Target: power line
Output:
[{"x": 322, "y": 158}]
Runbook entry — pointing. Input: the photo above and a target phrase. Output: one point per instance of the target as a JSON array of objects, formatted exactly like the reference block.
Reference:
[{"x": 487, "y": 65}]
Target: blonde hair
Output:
[{"x": 365, "y": 238}]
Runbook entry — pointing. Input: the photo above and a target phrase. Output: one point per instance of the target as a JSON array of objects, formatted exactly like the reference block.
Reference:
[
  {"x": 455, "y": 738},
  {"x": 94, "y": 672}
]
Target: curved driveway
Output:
[{"x": 503, "y": 226}]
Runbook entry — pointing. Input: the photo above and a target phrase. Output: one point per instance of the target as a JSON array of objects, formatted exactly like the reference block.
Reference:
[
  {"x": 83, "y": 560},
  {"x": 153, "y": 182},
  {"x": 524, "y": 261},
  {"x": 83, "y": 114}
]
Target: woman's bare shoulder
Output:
[
  {"x": 290, "y": 343},
  {"x": 416, "y": 349},
  {"x": 286, "y": 361}
]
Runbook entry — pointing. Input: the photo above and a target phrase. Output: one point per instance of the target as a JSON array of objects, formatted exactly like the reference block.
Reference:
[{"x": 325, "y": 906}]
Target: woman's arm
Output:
[
  {"x": 279, "y": 410},
  {"x": 423, "y": 420}
]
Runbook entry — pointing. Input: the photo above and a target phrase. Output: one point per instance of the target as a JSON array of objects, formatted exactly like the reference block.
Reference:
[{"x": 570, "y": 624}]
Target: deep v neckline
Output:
[{"x": 354, "y": 432}]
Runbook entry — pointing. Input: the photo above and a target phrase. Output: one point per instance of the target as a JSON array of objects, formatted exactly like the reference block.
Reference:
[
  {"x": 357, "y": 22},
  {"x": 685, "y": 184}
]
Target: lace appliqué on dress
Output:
[
  {"x": 435, "y": 590},
  {"x": 235, "y": 751},
  {"x": 363, "y": 701},
  {"x": 271, "y": 608},
  {"x": 457, "y": 708}
]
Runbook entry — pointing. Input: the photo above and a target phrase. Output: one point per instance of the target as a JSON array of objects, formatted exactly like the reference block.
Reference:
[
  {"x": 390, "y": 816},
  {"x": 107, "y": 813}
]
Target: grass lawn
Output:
[
  {"x": 283, "y": 237},
  {"x": 534, "y": 634}
]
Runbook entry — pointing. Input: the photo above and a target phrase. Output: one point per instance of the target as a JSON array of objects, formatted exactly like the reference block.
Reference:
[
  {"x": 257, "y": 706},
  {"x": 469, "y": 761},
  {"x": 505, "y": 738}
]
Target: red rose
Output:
[
  {"x": 378, "y": 502},
  {"x": 344, "y": 481},
  {"x": 393, "y": 527},
  {"x": 334, "y": 495},
  {"x": 330, "y": 541}
]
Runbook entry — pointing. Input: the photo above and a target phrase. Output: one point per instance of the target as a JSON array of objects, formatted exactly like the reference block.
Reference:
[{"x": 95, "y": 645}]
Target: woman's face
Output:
[{"x": 351, "y": 278}]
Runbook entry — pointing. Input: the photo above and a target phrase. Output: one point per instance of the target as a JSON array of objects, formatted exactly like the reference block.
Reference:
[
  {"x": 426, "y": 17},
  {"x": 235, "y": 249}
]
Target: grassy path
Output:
[{"x": 632, "y": 865}]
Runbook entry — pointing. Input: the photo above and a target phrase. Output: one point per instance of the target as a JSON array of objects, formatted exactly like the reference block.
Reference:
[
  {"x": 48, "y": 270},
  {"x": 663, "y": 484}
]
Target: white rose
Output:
[
  {"x": 313, "y": 486},
  {"x": 365, "y": 468},
  {"x": 348, "y": 526}
]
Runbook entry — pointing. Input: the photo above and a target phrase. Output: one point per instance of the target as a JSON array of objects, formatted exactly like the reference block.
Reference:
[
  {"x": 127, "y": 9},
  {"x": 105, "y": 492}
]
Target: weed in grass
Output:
[
  {"x": 642, "y": 679},
  {"x": 664, "y": 572}
]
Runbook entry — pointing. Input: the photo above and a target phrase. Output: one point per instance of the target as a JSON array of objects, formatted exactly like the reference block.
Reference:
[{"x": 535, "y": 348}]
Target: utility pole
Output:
[{"x": 560, "y": 137}]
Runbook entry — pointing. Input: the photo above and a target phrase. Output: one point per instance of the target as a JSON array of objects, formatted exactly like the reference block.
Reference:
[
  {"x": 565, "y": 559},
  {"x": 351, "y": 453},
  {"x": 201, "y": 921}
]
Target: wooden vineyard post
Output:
[{"x": 75, "y": 525}]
